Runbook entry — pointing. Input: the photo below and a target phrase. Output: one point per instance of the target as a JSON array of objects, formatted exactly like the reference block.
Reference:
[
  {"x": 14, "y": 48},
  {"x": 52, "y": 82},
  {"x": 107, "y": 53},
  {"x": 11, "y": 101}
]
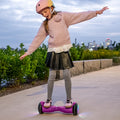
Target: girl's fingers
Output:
[
  {"x": 105, "y": 8},
  {"x": 102, "y": 10},
  {"x": 23, "y": 56}
]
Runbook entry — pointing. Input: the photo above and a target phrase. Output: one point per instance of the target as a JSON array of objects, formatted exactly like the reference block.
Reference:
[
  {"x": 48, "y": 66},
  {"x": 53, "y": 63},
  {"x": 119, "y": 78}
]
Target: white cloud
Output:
[
  {"x": 114, "y": 6},
  {"x": 22, "y": 14},
  {"x": 73, "y": 2},
  {"x": 17, "y": 9},
  {"x": 32, "y": 20},
  {"x": 114, "y": 34},
  {"x": 5, "y": 7}
]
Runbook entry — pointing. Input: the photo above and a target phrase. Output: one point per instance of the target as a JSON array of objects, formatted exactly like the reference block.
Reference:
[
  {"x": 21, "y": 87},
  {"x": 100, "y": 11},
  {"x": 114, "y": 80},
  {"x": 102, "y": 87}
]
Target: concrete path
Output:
[{"x": 97, "y": 93}]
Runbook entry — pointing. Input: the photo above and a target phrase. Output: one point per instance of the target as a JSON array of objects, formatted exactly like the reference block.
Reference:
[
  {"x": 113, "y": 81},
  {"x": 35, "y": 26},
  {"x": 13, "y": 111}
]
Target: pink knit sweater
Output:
[{"x": 59, "y": 39}]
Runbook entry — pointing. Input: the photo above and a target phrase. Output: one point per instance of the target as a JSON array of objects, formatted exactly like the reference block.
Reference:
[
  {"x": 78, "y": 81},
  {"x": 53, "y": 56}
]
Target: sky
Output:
[{"x": 19, "y": 21}]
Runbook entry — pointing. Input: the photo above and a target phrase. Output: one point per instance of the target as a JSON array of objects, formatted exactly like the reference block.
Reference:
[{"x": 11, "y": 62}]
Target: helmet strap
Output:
[{"x": 51, "y": 11}]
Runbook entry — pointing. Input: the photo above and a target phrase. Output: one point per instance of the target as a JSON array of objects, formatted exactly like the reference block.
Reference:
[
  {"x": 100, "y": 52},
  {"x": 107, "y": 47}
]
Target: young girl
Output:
[{"x": 58, "y": 57}]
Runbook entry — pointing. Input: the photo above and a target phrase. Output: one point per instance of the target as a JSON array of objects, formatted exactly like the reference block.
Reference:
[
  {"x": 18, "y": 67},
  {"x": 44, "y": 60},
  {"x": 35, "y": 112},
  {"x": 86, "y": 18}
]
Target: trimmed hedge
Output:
[{"x": 15, "y": 71}]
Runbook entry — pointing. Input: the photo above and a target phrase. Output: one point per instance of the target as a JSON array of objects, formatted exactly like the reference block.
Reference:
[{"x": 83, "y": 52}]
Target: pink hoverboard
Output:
[{"x": 72, "y": 110}]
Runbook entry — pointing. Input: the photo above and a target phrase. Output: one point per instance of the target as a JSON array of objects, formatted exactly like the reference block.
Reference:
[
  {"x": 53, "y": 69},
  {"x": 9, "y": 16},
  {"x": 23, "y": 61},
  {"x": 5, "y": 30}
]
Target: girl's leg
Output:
[
  {"x": 52, "y": 76},
  {"x": 67, "y": 77}
]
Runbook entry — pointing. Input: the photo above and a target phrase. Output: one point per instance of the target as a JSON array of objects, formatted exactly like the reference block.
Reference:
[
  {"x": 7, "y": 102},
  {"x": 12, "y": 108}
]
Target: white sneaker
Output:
[
  {"x": 68, "y": 104},
  {"x": 48, "y": 103}
]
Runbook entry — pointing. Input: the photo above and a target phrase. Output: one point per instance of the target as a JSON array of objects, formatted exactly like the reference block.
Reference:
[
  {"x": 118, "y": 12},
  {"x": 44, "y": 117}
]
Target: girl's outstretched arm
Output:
[
  {"x": 102, "y": 10},
  {"x": 39, "y": 38},
  {"x": 74, "y": 18},
  {"x": 23, "y": 56}
]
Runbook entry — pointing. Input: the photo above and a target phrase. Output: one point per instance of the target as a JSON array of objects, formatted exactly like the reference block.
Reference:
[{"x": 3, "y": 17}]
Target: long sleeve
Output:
[
  {"x": 74, "y": 18},
  {"x": 39, "y": 38}
]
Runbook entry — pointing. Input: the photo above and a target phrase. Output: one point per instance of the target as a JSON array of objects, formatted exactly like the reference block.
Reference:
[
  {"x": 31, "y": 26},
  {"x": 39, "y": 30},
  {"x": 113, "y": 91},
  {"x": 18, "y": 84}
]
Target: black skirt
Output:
[{"x": 59, "y": 61}]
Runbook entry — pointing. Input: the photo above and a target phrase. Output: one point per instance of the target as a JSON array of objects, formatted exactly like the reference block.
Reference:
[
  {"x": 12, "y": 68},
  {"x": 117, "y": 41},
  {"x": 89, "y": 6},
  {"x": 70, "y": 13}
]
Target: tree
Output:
[{"x": 21, "y": 45}]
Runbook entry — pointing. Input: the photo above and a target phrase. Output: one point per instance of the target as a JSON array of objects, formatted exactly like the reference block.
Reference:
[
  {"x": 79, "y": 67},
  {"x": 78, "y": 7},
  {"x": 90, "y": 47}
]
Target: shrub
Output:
[{"x": 15, "y": 71}]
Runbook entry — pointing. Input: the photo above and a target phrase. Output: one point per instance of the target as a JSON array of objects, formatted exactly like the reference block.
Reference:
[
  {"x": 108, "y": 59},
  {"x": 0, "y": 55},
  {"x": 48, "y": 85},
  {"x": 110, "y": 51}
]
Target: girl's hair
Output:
[{"x": 46, "y": 22}]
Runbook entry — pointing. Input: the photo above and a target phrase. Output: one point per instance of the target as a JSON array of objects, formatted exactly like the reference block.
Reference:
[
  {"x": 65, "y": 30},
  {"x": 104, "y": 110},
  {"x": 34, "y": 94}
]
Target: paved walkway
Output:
[{"x": 97, "y": 93}]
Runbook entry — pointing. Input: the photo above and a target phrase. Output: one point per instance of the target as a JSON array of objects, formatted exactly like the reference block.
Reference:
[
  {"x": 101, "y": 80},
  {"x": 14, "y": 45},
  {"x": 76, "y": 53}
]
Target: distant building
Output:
[
  {"x": 101, "y": 44},
  {"x": 92, "y": 46},
  {"x": 108, "y": 43}
]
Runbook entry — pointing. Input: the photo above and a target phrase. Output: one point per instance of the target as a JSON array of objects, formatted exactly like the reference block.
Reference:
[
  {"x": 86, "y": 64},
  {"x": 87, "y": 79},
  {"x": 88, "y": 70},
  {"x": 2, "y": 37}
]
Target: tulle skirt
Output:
[{"x": 59, "y": 61}]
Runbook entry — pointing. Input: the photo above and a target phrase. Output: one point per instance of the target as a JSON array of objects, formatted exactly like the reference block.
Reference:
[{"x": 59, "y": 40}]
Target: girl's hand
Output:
[
  {"x": 102, "y": 10},
  {"x": 23, "y": 56}
]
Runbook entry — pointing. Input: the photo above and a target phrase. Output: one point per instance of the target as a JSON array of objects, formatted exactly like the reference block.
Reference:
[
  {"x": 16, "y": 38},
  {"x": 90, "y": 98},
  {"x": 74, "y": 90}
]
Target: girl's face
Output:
[{"x": 46, "y": 13}]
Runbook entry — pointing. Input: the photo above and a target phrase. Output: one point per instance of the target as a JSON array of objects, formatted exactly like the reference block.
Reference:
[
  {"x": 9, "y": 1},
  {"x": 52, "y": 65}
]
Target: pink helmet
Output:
[{"x": 43, "y": 4}]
